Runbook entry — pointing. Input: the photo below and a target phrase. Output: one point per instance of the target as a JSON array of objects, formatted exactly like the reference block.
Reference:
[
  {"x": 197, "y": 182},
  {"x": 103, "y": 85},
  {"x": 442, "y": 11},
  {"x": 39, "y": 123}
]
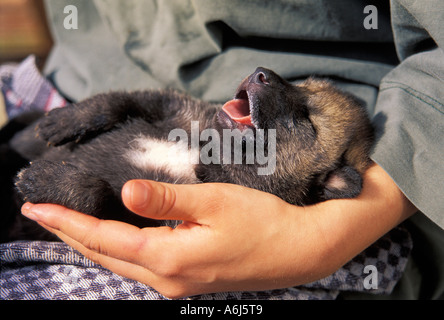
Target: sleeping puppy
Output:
[{"x": 305, "y": 143}]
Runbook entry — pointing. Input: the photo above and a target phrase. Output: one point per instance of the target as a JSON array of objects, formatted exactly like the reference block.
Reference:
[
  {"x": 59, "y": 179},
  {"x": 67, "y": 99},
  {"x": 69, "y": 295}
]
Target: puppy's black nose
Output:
[{"x": 261, "y": 76}]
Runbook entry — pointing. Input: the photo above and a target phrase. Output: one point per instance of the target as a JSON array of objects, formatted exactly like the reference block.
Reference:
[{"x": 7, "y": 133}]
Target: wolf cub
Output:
[{"x": 305, "y": 143}]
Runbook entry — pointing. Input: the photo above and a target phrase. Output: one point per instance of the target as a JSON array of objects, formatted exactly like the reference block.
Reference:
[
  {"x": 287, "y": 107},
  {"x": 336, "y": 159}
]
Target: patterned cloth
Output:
[
  {"x": 24, "y": 89},
  {"x": 53, "y": 270}
]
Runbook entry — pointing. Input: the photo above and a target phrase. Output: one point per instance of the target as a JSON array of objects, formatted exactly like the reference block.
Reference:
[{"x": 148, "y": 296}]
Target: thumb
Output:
[{"x": 164, "y": 201}]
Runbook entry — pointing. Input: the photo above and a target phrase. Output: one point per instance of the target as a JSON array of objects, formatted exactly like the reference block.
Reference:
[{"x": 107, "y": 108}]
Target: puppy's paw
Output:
[
  {"x": 59, "y": 126},
  {"x": 38, "y": 182},
  {"x": 64, "y": 184}
]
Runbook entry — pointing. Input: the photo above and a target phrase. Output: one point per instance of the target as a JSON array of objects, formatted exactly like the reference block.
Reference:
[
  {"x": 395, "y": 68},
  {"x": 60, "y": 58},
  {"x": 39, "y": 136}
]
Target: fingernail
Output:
[
  {"x": 28, "y": 212},
  {"x": 139, "y": 194}
]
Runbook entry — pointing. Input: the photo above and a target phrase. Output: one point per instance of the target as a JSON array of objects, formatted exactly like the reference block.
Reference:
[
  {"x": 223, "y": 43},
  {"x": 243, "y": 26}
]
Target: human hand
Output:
[{"x": 233, "y": 238}]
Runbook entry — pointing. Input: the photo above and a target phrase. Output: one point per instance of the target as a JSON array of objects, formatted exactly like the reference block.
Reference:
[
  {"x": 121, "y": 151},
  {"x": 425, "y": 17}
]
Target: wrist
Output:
[{"x": 337, "y": 230}]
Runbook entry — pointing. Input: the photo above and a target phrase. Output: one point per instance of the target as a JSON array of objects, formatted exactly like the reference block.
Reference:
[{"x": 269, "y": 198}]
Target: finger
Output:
[
  {"x": 111, "y": 238},
  {"x": 159, "y": 278},
  {"x": 124, "y": 268},
  {"x": 165, "y": 201},
  {"x": 120, "y": 267}
]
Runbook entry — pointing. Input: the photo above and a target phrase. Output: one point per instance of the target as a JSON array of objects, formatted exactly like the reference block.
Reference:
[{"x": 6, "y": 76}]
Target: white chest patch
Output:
[{"x": 175, "y": 158}]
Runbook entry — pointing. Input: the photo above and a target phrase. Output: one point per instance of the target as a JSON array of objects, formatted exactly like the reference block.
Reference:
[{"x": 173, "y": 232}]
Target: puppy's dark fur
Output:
[{"x": 80, "y": 153}]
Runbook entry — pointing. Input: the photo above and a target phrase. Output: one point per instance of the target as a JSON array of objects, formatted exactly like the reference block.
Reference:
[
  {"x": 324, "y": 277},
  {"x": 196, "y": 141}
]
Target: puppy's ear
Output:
[{"x": 343, "y": 182}]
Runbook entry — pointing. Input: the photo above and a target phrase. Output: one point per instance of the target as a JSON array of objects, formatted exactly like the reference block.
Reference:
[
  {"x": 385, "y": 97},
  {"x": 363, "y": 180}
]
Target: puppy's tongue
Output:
[{"x": 238, "y": 110}]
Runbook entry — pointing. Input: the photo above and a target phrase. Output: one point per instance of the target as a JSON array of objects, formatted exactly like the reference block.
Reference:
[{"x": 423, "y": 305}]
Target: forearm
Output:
[{"x": 345, "y": 228}]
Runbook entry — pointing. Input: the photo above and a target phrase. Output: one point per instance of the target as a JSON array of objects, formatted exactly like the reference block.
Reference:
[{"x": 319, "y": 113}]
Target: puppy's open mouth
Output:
[
  {"x": 238, "y": 109},
  {"x": 237, "y": 112}
]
